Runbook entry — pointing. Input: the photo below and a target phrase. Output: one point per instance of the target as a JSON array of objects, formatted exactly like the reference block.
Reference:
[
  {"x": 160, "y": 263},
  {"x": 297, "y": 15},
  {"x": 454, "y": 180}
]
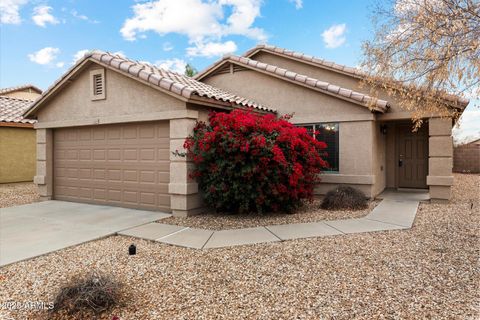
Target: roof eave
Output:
[
  {"x": 79, "y": 65},
  {"x": 50, "y": 90},
  {"x": 245, "y": 65},
  {"x": 263, "y": 48},
  {"x": 193, "y": 97},
  {"x": 14, "y": 124}
]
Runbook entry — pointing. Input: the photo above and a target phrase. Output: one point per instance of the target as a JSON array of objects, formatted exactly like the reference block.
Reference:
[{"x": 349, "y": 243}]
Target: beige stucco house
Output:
[
  {"x": 108, "y": 128},
  {"x": 17, "y": 135},
  {"x": 23, "y": 92}
]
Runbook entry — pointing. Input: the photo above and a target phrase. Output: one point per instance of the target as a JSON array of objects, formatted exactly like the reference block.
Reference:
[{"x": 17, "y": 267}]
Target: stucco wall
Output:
[
  {"x": 379, "y": 159},
  {"x": 124, "y": 96},
  {"x": 17, "y": 154},
  {"x": 440, "y": 162},
  {"x": 356, "y": 147}
]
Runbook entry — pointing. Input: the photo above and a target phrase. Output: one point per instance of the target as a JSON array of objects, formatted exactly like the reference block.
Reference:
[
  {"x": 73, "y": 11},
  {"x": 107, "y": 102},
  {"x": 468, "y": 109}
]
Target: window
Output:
[
  {"x": 97, "y": 84},
  {"x": 328, "y": 133}
]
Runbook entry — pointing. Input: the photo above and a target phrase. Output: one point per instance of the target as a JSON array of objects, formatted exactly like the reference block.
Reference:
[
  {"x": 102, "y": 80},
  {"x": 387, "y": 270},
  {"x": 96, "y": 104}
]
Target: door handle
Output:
[{"x": 400, "y": 162}]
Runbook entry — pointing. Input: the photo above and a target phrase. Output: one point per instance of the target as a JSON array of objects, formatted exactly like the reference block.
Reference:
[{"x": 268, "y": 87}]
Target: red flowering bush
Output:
[{"x": 248, "y": 162}]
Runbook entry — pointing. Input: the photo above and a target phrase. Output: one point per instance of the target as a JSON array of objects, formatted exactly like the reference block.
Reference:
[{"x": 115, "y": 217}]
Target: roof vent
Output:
[{"x": 97, "y": 84}]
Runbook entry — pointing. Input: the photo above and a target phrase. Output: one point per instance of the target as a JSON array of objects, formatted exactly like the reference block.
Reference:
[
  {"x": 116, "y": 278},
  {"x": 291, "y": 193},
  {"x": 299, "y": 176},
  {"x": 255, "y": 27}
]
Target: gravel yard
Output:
[
  {"x": 431, "y": 271},
  {"x": 310, "y": 212},
  {"x": 14, "y": 194}
]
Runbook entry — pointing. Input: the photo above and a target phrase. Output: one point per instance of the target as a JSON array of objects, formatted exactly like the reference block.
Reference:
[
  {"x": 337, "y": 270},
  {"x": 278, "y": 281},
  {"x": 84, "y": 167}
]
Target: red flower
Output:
[
  {"x": 246, "y": 161},
  {"x": 278, "y": 155}
]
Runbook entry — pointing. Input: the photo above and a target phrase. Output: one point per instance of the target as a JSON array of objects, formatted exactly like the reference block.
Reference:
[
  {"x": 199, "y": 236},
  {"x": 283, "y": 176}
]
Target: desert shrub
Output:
[
  {"x": 248, "y": 162},
  {"x": 344, "y": 197},
  {"x": 93, "y": 293}
]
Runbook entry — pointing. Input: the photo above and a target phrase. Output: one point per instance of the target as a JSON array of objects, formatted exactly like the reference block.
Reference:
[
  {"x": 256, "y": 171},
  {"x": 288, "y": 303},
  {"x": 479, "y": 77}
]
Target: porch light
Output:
[{"x": 383, "y": 129}]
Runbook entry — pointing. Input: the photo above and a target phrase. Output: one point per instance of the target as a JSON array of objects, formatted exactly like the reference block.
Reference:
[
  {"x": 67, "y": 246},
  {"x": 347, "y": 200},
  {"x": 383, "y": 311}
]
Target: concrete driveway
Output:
[{"x": 34, "y": 229}]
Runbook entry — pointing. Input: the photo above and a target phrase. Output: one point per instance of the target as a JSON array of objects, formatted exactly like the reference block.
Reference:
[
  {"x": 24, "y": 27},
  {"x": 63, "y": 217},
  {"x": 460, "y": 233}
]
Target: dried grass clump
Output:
[
  {"x": 344, "y": 197},
  {"x": 92, "y": 293}
]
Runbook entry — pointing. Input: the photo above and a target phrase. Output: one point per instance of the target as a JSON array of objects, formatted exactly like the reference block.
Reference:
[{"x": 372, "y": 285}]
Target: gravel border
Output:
[
  {"x": 428, "y": 272},
  {"x": 310, "y": 212},
  {"x": 14, "y": 194}
]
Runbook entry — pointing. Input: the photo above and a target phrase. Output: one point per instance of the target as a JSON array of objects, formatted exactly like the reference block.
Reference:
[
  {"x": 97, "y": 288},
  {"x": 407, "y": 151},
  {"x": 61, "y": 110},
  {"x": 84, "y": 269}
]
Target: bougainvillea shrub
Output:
[{"x": 248, "y": 162}]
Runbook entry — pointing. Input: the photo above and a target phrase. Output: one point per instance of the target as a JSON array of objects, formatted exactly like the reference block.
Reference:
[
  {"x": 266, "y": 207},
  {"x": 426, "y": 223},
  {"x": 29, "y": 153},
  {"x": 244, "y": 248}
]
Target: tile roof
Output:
[
  {"x": 175, "y": 83},
  {"x": 322, "y": 86},
  {"x": 12, "y": 109},
  {"x": 18, "y": 88},
  {"x": 354, "y": 72},
  {"x": 298, "y": 55}
]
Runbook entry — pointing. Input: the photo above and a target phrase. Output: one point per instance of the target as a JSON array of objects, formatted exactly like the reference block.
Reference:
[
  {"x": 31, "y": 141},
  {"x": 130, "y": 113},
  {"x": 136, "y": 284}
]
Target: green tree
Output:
[{"x": 190, "y": 71}]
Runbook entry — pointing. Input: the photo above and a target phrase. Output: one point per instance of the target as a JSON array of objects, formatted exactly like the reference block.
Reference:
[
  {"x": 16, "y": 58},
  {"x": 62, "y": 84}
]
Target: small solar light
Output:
[{"x": 132, "y": 250}]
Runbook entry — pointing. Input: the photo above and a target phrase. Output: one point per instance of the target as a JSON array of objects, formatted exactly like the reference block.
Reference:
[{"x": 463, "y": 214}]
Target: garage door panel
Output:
[
  {"x": 130, "y": 175},
  {"x": 113, "y": 164},
  {"x": 85, "y": 173},
  {"x": 125, "y": 165},
  {"x": 100, "y": 194},
  {"x": 163, "y": 131},
  {"x": 163, "y": 177}
]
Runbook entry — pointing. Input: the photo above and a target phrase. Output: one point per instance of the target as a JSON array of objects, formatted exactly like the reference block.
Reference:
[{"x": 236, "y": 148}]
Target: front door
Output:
[{"x": 412, "y": 157}]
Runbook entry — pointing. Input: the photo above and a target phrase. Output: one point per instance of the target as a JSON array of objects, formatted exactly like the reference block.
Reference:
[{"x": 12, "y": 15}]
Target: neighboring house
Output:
[
  {"x": 25, "y": 92},
  {"x": 466, "y": 157},
  {"x": 17, "y": 135},
  {"x": 106, "y": 130}
]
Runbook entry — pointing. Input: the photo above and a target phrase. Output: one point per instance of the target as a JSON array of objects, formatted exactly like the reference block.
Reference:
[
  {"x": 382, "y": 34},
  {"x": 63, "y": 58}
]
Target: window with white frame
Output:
[{"x": 328, "y": 133}]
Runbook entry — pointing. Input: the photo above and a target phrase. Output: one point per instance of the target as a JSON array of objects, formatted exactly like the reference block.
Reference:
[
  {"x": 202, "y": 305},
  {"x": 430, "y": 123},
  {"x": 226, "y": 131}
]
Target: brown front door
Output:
[{"x": 412, "y": 156}]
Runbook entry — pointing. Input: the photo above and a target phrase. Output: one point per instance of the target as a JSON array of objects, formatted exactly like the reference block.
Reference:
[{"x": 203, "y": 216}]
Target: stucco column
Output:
[
  {"x": 440, "y": 163},
  {"x": 185, "y": 198},
  {"x": 44, "y": 176}
]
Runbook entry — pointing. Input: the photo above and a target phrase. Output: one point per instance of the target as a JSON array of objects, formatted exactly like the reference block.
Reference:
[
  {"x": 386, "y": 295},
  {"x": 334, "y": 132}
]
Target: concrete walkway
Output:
[
  {"x": 34, "y": 229},
  {"x": 396, "y": 212}
]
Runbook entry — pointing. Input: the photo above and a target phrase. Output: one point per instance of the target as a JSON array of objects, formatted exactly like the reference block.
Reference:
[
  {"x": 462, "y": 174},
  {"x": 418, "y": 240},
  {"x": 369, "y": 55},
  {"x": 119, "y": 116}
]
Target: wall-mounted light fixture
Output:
[{"x": 383, "y": 128}]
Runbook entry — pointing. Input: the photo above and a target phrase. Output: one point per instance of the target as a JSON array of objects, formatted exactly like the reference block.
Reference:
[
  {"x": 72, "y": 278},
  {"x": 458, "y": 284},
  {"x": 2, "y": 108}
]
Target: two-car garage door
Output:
[{"x": 122, "y": 164}]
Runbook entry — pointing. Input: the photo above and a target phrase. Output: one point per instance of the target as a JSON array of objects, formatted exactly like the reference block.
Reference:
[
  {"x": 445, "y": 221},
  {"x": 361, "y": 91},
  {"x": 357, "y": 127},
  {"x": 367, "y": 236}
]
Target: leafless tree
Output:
[{"x": 425, "y": 52}]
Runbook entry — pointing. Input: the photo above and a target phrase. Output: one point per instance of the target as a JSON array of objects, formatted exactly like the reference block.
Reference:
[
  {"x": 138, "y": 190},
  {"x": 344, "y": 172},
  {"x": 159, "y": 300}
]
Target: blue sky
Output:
[{"x": 40, "y": 39}]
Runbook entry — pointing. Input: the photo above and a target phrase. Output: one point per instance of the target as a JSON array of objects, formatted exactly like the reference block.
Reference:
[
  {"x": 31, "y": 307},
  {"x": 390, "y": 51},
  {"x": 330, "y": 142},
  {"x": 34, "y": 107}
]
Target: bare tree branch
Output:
[{"x": 431, "y": 47}]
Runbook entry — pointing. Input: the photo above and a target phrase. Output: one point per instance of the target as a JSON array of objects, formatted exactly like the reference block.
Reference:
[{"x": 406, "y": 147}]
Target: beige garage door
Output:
[{"x": 123, "y": 165}]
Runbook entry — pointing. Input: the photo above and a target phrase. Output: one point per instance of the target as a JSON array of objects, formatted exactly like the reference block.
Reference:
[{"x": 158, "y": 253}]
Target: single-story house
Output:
[
  {"x": 17, "y": 135},
  {"x": 466, "y": 157},
  {"x": 25, "y": 92},
  {"x": 107, "y": 128}
]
